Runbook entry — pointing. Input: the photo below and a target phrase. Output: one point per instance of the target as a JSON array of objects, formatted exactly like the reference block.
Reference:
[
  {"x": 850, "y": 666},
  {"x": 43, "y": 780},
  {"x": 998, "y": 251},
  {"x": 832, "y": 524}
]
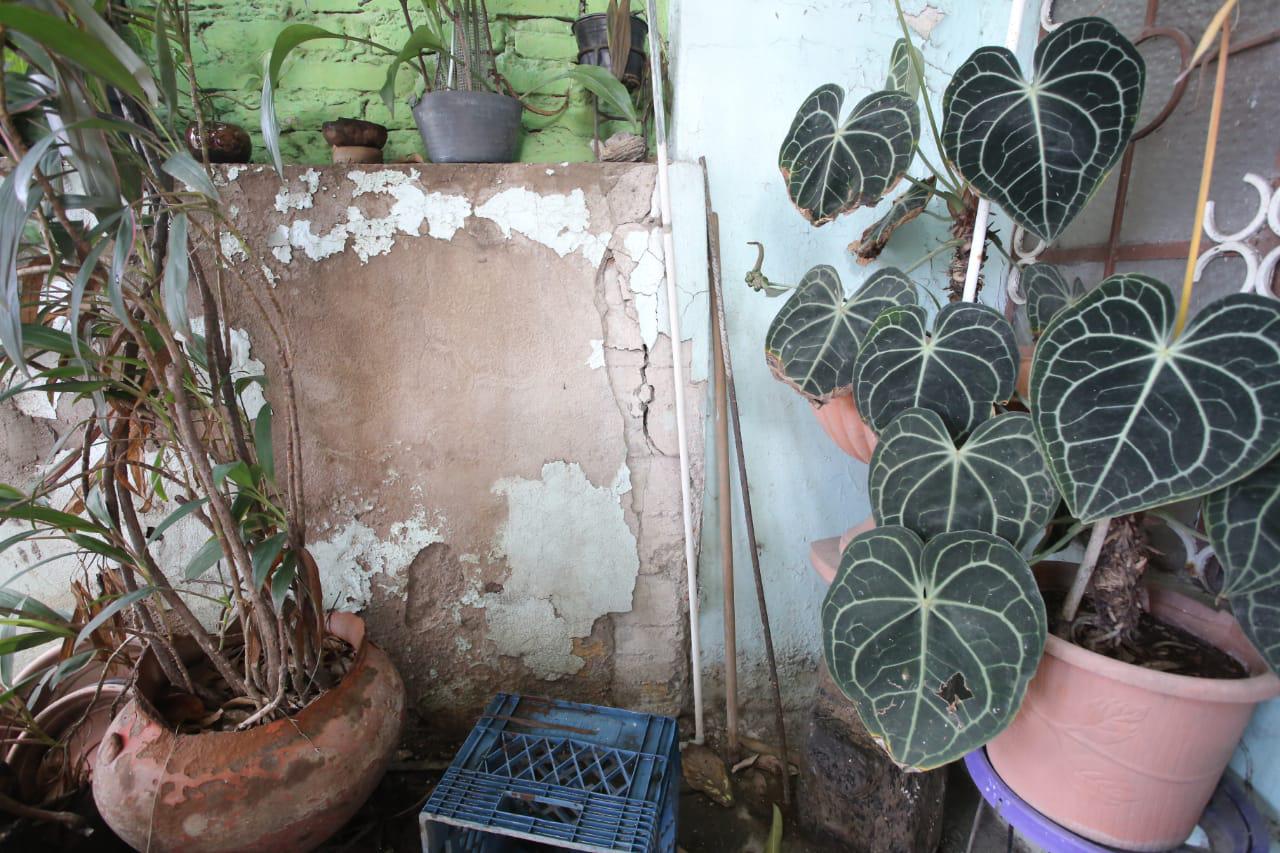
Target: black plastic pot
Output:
[
  {"x": 592, "y": 33},
  {"x": 469, "y": 127}
]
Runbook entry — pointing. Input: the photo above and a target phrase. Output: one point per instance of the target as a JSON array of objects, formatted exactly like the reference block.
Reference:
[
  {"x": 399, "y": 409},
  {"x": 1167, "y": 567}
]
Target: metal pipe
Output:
[{"x": 677, "y": 362}]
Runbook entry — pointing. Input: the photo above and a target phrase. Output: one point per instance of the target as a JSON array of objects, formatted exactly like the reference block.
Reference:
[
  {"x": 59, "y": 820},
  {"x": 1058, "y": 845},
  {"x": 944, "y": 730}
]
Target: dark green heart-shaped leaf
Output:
[
  {"x": 815, "y": 336},
  {"x": 902, "y": 77},
  {"x": 996, "y": 481},
  {"x": 905, "y": 208},
  {"x": 969, "y": 362},
  {"x": 1130, "y": 418},
  {"x": 1047, "y": 293},
  {"x": 1041, "y": 149},
  {"x": 831, "y": 168},
  {"x": 1258, "y": 613},
  {"x": 934, "y": 643},
  {"x": 1243, "y": 523}
]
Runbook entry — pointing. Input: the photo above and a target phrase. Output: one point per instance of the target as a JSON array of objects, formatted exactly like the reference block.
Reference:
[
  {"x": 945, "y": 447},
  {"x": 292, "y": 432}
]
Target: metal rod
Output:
[
  {"x": 725, "y": 504},
  {"x": 983, "y": 215},
  {"x": 677, "y": 364},
  {"x": 744, "y": 488}
]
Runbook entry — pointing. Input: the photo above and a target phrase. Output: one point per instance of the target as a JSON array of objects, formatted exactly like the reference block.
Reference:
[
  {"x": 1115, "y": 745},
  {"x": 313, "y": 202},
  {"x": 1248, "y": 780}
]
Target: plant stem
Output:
[
  {"x": 924, "y": 89},
  {"x": 1206, "y": 177},
  {"x": 928, "y": 256},
  {"x": 1057, "y": 546},
  {"x": 1097, "y": 538}
]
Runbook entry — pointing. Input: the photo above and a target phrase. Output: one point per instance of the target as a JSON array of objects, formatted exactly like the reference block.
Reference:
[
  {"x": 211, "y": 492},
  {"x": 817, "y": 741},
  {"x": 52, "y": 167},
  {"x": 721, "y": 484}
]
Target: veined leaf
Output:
[
  {"x": 996, "y": 481},
  {"x": 905, "y": 208},
  {"x": 967, "y": 364},
  {"x": 1047, "y": 293},
  {"x": 177, "y": 274},
  {"x": 935, "y": 643},
  {"x": 832, "y": 167},
  {"x": 1243, "y": 523},
  {"x": 1131, "y": 417},
  {"x": 1258, "y": 613},
  {"x": 902, "y": 76},
  {"x": 1040, "y": 149},
  {"x": 814, "y": 338}
]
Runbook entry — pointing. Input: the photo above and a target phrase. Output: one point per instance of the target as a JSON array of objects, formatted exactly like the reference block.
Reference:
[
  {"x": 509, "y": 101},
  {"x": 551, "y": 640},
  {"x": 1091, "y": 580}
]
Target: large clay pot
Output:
[
  {"x": 840, "y": 420},
  {"x": 285, "y": 786},
  {"x": 1124, "y": 755}
]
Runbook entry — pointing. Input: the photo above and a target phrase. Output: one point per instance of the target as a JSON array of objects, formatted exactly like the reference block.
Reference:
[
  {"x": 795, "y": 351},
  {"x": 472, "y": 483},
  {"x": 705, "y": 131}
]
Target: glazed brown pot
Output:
[
  {"x": 285, "y": 786},
  {"x": 1125, "y": 755},
  {"x": 840, "y": 420}
]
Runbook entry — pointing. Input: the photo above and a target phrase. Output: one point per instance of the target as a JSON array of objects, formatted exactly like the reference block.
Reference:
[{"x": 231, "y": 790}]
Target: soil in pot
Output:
[{"x": 1154, "y": 644}]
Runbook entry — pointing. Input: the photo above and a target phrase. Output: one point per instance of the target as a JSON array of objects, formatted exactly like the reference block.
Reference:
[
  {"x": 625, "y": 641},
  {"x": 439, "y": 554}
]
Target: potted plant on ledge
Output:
[
  {"x": 945, "y": 624},
  {"x": 266, "y": 723},
  {"x": 467, "y": 112}
]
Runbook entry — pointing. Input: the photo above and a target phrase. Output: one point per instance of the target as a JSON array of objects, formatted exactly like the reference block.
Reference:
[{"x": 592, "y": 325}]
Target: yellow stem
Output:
[{"x": 1206, "y": 176}]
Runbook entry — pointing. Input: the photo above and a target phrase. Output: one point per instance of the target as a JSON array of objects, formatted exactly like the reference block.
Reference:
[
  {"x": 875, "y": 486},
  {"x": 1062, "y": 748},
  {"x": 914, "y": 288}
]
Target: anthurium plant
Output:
[
  {"x": 107, "y": 227},
  {"x": 934, "y": 624}
]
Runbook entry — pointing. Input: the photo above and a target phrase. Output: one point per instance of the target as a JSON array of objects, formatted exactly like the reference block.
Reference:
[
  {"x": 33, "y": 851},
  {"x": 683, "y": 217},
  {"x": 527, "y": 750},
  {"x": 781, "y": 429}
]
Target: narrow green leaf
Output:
[
  {"x": 72, "y": 44},
  {"x": 174, "y": 517},
  {"x": 31, "y": 640},
  {"x": 282, "y": 578},
  {"x": 264, "y": 557},
  {"x": 126, "y": 600},
  {"x": 164, "y": 59},
  {"x": 262, "y": 442},
  {"x": 774, "y": 844},
  {"x": 71, "y": 666},
  {"x": 176, "y": 277},
  {"x": 120, "y": 255},
  {"x": 236, "y": 472},
  {"x": 13, "y": 217},
  {"x": 124, "y": 54},
  {"x": 97, "y": 546},
  {"x": 270, "y": 125},
  {"x": 204, "y": 559},
  {"x": 423, "y": 39},
  {"x": 49, "y": 516},
  {"x": 185, "y": 168},
  {"x": 599, "y": 82}
]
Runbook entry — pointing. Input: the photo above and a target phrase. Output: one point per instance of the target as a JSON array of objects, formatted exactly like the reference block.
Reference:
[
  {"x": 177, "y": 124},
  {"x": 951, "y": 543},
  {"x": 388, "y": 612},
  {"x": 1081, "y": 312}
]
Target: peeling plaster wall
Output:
[
  {"x": 769, "y": 55},
  {"x": 484, "y": 367}
]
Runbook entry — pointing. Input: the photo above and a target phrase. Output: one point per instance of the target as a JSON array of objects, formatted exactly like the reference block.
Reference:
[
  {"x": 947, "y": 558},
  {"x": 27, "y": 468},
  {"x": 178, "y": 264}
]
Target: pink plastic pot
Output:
[
  {"x": 1124, "y": 755},
  {"x": 840, "y": 420},
  {"x": 824, "y": 554}
]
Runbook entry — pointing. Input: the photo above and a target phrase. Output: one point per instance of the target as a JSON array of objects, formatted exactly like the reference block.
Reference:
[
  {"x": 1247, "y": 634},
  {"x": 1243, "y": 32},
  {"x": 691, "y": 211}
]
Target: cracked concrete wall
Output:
[
  {"x": 485, "y": 374},
  {"x": 484, "y": 369}
]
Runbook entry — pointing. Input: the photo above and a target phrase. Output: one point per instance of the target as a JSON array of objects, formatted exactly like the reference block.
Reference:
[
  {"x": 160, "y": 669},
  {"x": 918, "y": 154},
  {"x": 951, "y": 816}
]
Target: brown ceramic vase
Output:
[{"x": 281, "y": 787}]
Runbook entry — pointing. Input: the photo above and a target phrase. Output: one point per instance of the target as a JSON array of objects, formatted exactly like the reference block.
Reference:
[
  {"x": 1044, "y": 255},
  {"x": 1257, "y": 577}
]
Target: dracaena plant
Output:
[
  {"x": 107, "y": 226},
  {"x": 934, "y": 624}
]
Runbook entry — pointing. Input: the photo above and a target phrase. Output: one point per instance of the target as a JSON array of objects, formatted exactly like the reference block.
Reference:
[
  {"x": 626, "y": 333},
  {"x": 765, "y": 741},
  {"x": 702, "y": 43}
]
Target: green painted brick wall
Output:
[{"x": 325, "y": 80}]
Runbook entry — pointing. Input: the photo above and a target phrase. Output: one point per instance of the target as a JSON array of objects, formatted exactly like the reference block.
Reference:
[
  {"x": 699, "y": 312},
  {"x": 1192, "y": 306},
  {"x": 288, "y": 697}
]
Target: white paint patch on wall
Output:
[
  {"x": 243, "y": 365},
  {"x": 573, "y": 559},
  {"x": 646, "y": 282},
  {"x": 595, "y": 361},
  {"x": 301, "y": 198},
  {"x": 354, "y": 554},
  {"x": 560, "y": 222}
]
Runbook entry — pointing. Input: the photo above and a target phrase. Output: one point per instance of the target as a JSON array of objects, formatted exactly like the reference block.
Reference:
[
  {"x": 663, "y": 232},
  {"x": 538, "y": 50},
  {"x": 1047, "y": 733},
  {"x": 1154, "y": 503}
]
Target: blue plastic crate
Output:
[{"x": 542, "y": 773}]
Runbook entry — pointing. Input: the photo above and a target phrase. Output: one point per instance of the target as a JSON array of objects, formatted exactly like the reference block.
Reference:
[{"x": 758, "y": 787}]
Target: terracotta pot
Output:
[
  {"x": 1124, "y": 755},
  {"x": 840, "y": 420},
  {"x": 824, "y": 554},
  {"x": 39, "y": 770},
  {"x": 286, "y": 786},
  {"x": 1023, "y": 383}
]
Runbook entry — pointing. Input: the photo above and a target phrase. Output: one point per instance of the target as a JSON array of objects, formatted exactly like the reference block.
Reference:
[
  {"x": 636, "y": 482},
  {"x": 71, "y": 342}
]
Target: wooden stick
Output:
[
  {"x": 722, "y": 329},
  {"x": 1085, "y": 571}
]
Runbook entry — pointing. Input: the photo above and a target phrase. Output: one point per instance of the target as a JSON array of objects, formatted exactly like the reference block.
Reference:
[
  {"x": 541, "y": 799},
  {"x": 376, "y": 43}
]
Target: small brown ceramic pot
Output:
[
  {"x": 276, "y": 788},
  {"x": 228, "y": 143},
  {"x": 356, "y": 154},
  {"x": 840, "y": 420}
]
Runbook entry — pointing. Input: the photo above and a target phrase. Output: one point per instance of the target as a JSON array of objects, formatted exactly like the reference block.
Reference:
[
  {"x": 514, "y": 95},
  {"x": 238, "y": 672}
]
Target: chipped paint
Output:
[
  {"x": 573, "y": 559},
  {"x": 243, "y": 365},
  {"x": 302, "y": 198},
  {"x": 644, "y": 246},
  {"x": 596, "y": 360},
  {"x": 925, "y": 21},
  {"x": 443, "y": 213},
  {"x": 354, "y": 555},
  {"x": 560, "y": 222}
]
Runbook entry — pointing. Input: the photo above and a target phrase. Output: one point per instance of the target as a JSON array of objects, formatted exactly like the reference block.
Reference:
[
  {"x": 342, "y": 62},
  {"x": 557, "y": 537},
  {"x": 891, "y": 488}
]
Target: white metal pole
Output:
[
  {"x": 677, "y": 364},
  {"x": 983, "y": 214}
]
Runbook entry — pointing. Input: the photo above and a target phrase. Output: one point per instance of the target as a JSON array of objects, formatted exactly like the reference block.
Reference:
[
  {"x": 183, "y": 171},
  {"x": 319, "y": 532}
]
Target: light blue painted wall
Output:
[{"x": 742, "y": 70}]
